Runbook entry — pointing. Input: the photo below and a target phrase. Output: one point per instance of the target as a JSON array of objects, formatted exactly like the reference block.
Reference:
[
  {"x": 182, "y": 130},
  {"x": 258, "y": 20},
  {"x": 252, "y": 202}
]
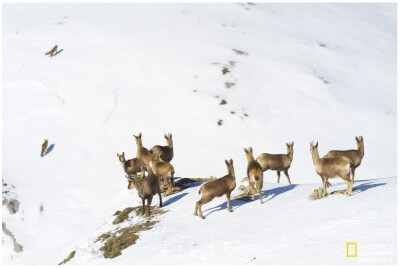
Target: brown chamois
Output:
[
  {"x": 144, "y": 155},
  {"x": 166, "y": 152},
  {"x": 332, "y": 168},
  {"x": 278, "y": 162},
  {"x": 52, "y": 51},
  {"x": 44, "y": 147},
  {"x": 217, "y": 188},
  {"x": 146, "y": 188},
  {"x": 131, "y": 166},
  {"x": 354, "y": 155},
  {"x": 165, "y": 171},
  {"x": 254, "y": 173}
]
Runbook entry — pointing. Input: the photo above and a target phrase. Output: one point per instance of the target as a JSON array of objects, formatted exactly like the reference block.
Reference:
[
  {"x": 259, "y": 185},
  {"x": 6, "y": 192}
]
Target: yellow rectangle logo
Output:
[{"x": 351, "y": 249}]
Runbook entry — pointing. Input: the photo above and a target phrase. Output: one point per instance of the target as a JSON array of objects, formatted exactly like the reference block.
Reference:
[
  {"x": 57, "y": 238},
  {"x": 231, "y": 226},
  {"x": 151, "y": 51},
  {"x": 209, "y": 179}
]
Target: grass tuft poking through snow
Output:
[
  {"x": 70, "y": 256},
  {"x": 123, "y": 238}
]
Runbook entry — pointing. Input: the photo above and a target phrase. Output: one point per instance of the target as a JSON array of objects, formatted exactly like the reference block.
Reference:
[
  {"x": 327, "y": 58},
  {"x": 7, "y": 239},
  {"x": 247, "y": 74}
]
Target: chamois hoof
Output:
[{"x": 202, "y": 217}]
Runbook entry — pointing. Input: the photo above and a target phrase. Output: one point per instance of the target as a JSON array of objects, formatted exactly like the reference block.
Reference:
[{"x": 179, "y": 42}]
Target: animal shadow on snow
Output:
[
  {"x": 368, "y": 185},
  {"x": 275, "y": 192},
  {"x": 58, "y": 52},
  {"x": 236, "y": 203},
  {"x": 174, "y": 199},
  {"x": 51, "y": 147}
]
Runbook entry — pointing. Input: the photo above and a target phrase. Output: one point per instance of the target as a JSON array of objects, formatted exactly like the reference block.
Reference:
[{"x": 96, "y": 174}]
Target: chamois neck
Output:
[
  {"x": 315, "y": 156},
  {"x": 123, "y": 164},
  {"x": 231, "y": 172},
  {"x": 361, "y": 149},
  {"x": 249, "y": 157},
  {"x": 290, "y": 155}
]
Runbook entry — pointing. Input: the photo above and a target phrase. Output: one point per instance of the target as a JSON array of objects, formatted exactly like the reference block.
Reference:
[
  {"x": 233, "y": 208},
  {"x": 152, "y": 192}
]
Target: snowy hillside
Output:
[{"x": 219, "y": 77}]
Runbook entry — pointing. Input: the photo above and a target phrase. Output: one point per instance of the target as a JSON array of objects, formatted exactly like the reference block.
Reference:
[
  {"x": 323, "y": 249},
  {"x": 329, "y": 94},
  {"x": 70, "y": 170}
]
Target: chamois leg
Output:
[
  {"x": 228, "y": 196},
  {"x": 143, "y": 207},
  {"x": 324, "y": 183},
  {"x": 202, "y": 201},
  {"x": 349, "y": 185},
  {"x": 148, "y": 205},
  {"x": 159, "y": 195},
  {"x": 259, "y": 193},
  {"x": 142, "y": 175},
  {"x": 327, "y": 183},
  {"x": 278, "y": 172},
  {"x": 287, "y": 175},
  {"x": 353, "y": 171},
  {"x": 251, "y": 185},
  {"x": 169, "y": 187}
]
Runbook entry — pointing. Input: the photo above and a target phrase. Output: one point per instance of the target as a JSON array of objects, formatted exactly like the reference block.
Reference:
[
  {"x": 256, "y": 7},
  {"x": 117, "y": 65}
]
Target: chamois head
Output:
[
  {"x": 168, "y": 138},
  {"x": 249, "y": 152},
  {"x": 313, "y": 147},
  {"x": 138, "y": 140},
  {"x": 360, "y": 142},
  {"x": 289, "y": 147},
  {"x": 229, "y": 166},
  {"x": 121, "y": 157}
]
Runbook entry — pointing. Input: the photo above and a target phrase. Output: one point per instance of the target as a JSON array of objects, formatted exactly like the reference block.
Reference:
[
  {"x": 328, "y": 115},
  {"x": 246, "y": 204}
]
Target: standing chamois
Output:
[
  {"x": 166, "y": 152},
  {"x": 144, "y": 155},
  {"x": 335, "y": 167},
  {"x": 278, "y": 162},
  {"x": 254, "y": 173},
  {"x": 217, "y": 188},
  {"x": 165, "y": 171},
  {"x": 44, "y": 147},
  {"x": 131, "y": 166},
  {"x": 354, "y": 155},
  {"x": 146, "y": 188}
]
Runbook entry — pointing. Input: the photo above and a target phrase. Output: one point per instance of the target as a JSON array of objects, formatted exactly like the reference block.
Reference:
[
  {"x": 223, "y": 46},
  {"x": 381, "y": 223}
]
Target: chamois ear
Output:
[
  {"x": 361, "y": 138},
  {"x": 140, "y": 135},
  {"x": 316, "y": 145},
  {"x": 117, "y": 155},
  {"x": 231, "y": 161},
  {"x": 245, "y": 150},
  {"x": 123, "y": 153},
  {"x": 357, "y": 140},
  {"x": 292, "y": 143},
  {"x": 250, "y": 149},
  {"x": 226, "y": 162}
]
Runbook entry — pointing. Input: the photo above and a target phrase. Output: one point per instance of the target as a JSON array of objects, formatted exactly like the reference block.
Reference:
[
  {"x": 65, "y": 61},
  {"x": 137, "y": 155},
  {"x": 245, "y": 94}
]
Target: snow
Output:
[{"x": 323, "y": 72}]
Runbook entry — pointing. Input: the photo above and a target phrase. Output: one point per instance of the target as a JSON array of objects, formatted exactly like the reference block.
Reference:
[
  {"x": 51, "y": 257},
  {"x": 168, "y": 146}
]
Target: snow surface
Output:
[{"x": 323, "y": 72}]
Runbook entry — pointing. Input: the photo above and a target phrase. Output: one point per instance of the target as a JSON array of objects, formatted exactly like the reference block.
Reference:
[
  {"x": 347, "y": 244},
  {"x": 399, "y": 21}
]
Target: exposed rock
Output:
[{"x": 17, "y": 247}]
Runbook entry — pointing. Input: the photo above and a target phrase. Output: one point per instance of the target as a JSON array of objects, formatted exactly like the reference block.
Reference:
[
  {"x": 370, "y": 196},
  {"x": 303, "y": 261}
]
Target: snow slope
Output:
[{"x": 301, "y": 72}]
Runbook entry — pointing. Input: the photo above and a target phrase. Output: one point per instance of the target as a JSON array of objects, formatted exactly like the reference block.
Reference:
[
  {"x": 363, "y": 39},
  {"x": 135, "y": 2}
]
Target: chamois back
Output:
[{"x": 166, "y": 152}]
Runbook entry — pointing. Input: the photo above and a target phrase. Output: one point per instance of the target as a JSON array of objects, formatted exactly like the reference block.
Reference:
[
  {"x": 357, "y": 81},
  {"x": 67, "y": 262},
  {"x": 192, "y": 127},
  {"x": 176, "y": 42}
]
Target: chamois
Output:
[
  {"x": 334, "y": 167},
  {"x": 131, "y": 166},
  {"x": 144, "y": 155},
  {"x": 254, "y": 173},
  {"x": 278, "y": 162},
  {"x": 146, "y": 188},
  {"x": 165, "y": 171},
  {"x": 217, "y": 188},
  {"x": 52, "y": 51},
  {"x": 354, "y": 155},
  {"x": 166, "y": 152},
  {"x": 44, "y": 147}
]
